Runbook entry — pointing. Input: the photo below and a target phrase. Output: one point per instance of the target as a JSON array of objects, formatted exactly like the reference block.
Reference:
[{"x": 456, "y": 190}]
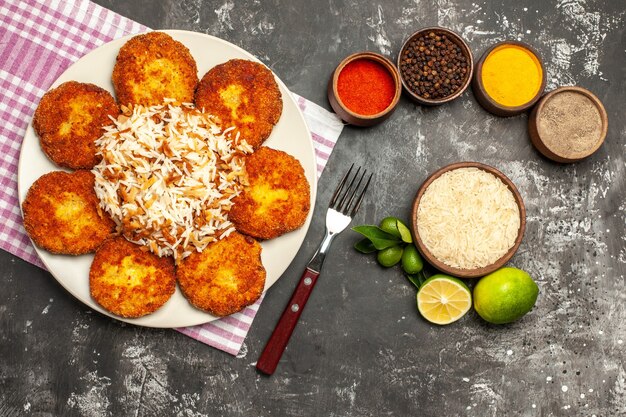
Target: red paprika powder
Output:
[{"x": 365, "y": 87}]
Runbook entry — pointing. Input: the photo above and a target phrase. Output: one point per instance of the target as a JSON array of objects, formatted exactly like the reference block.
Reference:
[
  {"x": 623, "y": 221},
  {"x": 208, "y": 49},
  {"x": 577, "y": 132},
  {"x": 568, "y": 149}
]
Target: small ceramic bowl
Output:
[
  {"x": 556, "y": 154},
  {"x": 486, "y": 101},
  {"x": 350, "y": 116},
  {"x": 458, "y": 272},
  {"x": 465, "y": 50}
]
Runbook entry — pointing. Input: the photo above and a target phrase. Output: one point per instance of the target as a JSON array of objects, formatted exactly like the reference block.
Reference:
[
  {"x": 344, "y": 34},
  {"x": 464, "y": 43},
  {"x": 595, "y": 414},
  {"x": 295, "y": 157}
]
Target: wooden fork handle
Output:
[{"x": 282, "y": 332}]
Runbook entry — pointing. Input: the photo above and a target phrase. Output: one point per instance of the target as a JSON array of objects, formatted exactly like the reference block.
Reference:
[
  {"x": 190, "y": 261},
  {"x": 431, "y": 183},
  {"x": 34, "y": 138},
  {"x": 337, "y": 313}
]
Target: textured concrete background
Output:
[{"x": 361, "y": 348}]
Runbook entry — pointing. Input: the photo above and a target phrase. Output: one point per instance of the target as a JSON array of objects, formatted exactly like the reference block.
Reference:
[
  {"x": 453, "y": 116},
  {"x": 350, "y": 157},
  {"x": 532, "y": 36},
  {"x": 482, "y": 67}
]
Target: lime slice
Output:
[
  {"x": 405, "y": 233},
  {"x": 443, "y": 299}
]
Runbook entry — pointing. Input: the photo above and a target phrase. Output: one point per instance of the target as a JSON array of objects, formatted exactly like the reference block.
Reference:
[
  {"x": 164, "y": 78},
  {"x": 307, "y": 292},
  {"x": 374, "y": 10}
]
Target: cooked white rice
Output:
[{"x": 168, "y": 176}]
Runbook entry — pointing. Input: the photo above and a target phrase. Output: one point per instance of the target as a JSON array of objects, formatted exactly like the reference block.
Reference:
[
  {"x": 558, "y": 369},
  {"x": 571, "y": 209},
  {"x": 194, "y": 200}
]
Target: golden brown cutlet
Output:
[
  {"x": 152, "y": 67},
  {"x": 277, "y": 197},
  {"x": 69, "y": 119},
  {"x": 225, "y": 277},
  {"x": 129, "y": 281},
  {"x": 62, "y": 213},
  {"x": 243, "y": 94}
]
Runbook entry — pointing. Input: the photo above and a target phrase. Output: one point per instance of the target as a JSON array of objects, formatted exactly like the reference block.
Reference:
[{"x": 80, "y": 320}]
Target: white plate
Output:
[{"x": 290, "y": 135}]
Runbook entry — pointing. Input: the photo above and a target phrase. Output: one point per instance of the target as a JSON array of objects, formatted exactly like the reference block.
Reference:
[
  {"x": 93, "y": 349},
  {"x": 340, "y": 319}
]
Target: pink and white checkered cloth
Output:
[{"x": 40, "y": 39}]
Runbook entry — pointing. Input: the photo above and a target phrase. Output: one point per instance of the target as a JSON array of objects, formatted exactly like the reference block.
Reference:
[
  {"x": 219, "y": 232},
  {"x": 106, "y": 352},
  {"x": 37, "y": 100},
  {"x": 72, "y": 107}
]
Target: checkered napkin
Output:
[{"x": 40, "y": 39}]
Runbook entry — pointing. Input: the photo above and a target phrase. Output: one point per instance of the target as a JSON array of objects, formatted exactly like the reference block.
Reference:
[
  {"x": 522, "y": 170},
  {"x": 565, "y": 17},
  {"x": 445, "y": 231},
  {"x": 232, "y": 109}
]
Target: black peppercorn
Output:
[{"x": 434, "y": 66}]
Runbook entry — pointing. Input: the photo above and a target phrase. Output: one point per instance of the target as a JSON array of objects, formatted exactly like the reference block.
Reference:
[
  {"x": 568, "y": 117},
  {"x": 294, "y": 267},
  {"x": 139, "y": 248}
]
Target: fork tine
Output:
[
  {"x": 335, "y": 196},
  {"x": 358, "y": 201},
  {"x": 341, "y": 206},
  {"x": 346, "y": 208},
  {"x": 344, "y": 196}
]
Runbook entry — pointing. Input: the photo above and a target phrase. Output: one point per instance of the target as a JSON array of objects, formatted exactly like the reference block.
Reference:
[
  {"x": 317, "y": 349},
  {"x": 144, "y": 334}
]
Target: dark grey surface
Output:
[{"x": 361, "y": 348}]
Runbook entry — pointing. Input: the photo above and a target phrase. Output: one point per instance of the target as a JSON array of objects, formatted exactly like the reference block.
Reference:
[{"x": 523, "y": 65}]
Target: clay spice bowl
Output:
[
  {"x": 435, "y": 65},
  {"x": 568, "y": 124},
  {"x": 464, "y": 208},
  {"x": 509, "y": 78},
  {"x": 364, "y": 89}
]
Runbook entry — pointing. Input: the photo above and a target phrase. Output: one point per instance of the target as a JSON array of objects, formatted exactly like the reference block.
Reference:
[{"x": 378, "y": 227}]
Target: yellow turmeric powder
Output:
[{"x": 511, "y": 75}]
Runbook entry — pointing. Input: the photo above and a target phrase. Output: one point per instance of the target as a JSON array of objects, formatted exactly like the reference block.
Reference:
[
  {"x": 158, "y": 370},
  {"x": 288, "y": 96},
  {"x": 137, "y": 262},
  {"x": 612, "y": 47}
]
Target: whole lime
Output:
[
  {"x": 505, "y": 295},
  {"x": 390, "y": 225},
  {"x": 394, "y": 226},
  {"x": 412, "y": 262},
  {"x": 390, "y": 256}
]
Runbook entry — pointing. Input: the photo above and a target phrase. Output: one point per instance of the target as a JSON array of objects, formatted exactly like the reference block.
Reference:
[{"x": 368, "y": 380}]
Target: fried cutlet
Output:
[
  {"x": 129, "y": 281},
  {"x": 152, "y": 67},
  {"x": 62, "y": 213},
  {"x": 225, "y": 277},
  {"x": 277, "y": 197},
  {"x": 243, "y": 94},
  {"x": 69, "y": 119}
]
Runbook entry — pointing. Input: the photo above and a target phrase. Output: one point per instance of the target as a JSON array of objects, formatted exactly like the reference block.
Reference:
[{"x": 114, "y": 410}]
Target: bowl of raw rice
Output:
[{"x": 468, "y": 219}]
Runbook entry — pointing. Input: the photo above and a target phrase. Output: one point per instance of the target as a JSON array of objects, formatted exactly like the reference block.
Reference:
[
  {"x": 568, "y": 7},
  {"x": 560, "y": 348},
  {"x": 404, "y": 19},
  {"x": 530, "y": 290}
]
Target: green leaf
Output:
[
  {"x": 417, "y": 279},
  {"x": 365, "y": 246},
  {"x": 405, "y": 233},
  {"x": 379, "y": 238},
  {"x": 414, "y": 279}
]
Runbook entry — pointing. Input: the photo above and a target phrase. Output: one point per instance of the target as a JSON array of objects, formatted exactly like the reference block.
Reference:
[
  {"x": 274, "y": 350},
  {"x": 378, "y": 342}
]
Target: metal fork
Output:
[{"x": 342, "y": 207}]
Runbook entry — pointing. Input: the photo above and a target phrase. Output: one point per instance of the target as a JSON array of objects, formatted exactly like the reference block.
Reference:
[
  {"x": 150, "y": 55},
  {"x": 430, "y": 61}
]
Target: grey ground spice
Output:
[{"x": 570, "y": 124}]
